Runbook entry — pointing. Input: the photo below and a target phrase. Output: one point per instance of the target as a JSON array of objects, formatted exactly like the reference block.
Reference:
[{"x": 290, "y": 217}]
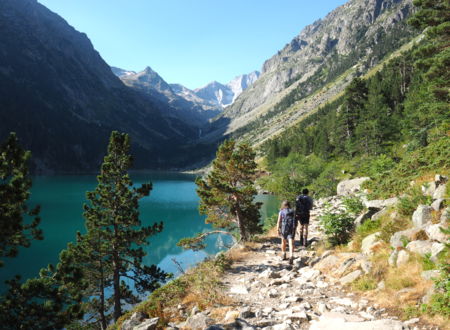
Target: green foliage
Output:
[
  {"x": 338, "y": 226},
  {"x": 270, "y": 222},
  {"x": 408, "y": 203},
  {"x": 353, "y": 205},
  {"x": 111, "y": 249},
  {"x": 227, "y": 193},
  {"x": 427, "y": 263},
  {"x": 368, "y": 227},
  {"x": 365, "y": 283},
  {"x": 15, "y": 185}
]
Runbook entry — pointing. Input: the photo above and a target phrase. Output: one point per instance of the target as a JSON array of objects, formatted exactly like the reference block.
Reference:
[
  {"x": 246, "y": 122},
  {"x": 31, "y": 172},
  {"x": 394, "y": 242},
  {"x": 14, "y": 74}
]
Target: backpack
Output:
[{"x": 302, "y": 204}]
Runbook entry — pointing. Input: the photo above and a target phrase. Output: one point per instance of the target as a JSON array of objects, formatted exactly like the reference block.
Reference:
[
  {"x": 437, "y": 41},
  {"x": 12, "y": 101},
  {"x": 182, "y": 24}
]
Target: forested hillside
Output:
[{"x": 392, "y": 126}]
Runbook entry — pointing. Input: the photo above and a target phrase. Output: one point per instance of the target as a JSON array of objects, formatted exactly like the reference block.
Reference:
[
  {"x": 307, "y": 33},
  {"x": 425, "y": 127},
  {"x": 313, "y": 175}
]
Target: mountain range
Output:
[{"x": 63, "y": 99}]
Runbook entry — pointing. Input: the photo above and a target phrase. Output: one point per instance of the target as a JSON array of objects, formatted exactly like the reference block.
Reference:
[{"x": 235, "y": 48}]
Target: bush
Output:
[
  {"x": 270, "y": 222},
  {"x": 337, "y": 226},
  {"x": 353, "y": 205},
  {"x": 408, "y": 204}
]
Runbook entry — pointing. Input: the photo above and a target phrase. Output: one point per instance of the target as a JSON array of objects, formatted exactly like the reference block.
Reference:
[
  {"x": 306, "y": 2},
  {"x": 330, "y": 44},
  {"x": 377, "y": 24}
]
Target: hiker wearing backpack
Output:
[
  {"x": 303, "y": 204},
  {"x": 287, "y": 225}
]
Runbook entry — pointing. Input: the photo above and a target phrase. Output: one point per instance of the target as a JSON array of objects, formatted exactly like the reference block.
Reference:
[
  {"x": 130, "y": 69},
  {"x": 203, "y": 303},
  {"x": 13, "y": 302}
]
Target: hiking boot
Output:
[
  {"x": 283, "y": 257},
  {"x": 291, "y": 261}
]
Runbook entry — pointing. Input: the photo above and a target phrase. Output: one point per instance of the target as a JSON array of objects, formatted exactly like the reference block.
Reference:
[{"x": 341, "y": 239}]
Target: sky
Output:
[{"x": 191, "y": 42}]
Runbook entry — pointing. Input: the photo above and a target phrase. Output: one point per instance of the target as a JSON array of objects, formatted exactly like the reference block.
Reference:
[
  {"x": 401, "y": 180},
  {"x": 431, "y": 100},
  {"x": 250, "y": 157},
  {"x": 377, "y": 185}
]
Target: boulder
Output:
[
  {"x": 397, "y": 240},
  {"x": 429, "y": 188},
  {"x": 402, "y": 258},
  {"x": 421, "y": 216},
  {"x": 239, "y": 289},
  {"x": 438, "y": 204},
  {"x": 379, "y": 214},
  {"x": 378, "y": 204},
  {"x": 368, "y": 242},
  {"x": 445, "y": 216},
  {"x": 440, "y": 191},
  {"x": 430, "y": 274},
  {"x": 134, "y": 320},
  {"x": 392, "y": 261},
  {"x": 364, "y": 216},
  {"x": 198, "y": 321},
  {"x": 350, "y": 277},
  {"x": 435, "y": 234},
  {"x": 150, "y": 324},
  {"x": 420, "y": 247},
  {"x": 348, "y": 187},
  {"x": 426, "y": 247}
]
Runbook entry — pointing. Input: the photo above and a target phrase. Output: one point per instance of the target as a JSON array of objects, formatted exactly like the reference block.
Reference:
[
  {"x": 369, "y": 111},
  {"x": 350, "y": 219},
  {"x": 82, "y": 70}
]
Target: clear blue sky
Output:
[{"x": 191, "y": 42}]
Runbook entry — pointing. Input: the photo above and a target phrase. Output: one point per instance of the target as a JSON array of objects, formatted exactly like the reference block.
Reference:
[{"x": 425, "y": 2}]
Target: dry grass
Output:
[{"x": 421, "y": 235}]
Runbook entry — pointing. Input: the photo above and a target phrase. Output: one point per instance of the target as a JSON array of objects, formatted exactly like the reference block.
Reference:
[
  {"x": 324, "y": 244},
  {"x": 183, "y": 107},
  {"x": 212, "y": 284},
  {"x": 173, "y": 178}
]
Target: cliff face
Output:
[
  {"x": 62, "y": 99},
  {"x": 353, "y": 34}
]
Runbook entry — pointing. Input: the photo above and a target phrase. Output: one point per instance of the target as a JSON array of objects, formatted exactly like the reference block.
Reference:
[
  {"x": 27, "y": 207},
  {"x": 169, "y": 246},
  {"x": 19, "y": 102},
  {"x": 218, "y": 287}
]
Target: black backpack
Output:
[{"x": 302, "y": 204}]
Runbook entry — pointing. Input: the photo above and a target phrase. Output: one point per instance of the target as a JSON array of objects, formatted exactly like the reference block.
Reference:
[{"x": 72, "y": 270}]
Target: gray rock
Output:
[
  {"x": 366, "y": 266},
  {"x": 368, "y": 242},
  {"x": 430, "y": 274},
  {"x": 421, "y": 216},
  {"x": 392, "y": 261},
  {"x": 309, "y": 273},
  {"x": 381, "y": 285},
  {"x": 411, "y": 321},
  {"x": 438, "y": 204},
  {"x": 440, "y": 191},
  {"x": 348, "y": 187},
  {"x": 429, "y": 188},
  {"x": 345, "y": 265},
  {"x": 420, "y": 247},
  {"x": 339, "y": 323},
  {"x": 150, "y": 324},
  {"x": 434, "y": 232},
  {"x": 427, "y": 297},
  {"x": 379, "y": 214},
  {"x": 445, "y": 216},
  {"x": 239, "y": 289},
  {"x": 350, "y": 277},
  {"x": 195, "y": 310},
  {"x": 378, "y": 204},
  {"x": 363, "y": 217},
  {"x": 397, "y": 240},
  {"x": 402, "y": 258},
  {"x": 198, "y": 321},
  {"x": 134, "y": 320},
  {"x": 440, "y": 179},
  {"x": 282, "y": 326}
]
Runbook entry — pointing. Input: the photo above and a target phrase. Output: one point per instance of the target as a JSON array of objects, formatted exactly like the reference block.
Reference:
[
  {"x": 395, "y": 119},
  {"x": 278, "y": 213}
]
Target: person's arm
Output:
[{"x": 279, "y": 223}]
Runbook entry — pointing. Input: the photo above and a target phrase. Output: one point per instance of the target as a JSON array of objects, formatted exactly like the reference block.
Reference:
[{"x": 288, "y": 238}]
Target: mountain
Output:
[
  {"x": 225, "y": 95},
  {"x": 315, "y": 66},
  {"x": 62, "y": 99},
  {"x": 182, "y": 106}
]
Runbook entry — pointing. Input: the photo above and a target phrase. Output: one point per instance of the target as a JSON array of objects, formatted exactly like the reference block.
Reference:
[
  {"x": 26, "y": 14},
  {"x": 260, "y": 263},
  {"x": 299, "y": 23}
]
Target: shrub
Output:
[
  {"x": 337, "y": 226},
  {"x": 408, "y": 204},
  {"x": 270, "y": 222},
  {"x": 353, "y": 205},
  {"x": 365, "y": 283}
]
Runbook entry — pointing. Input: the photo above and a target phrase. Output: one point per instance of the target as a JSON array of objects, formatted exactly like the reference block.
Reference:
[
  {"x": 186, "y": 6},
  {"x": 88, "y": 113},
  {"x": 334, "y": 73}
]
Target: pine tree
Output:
[
  {"x": 349, "y": 116},
  {"x": 15, "y": 185},
  {"x": 227, "y": 193},
  {"x": 111, "y": 250},
  {"x": 426, "y": 107}
]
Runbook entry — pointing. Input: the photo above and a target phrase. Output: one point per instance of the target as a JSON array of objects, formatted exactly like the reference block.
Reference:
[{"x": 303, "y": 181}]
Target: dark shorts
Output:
[{"x": 303, "y": 218}]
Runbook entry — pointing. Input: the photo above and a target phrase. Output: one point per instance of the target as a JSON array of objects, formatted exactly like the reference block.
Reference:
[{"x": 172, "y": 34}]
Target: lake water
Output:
[{"x": 173, "y": 200}]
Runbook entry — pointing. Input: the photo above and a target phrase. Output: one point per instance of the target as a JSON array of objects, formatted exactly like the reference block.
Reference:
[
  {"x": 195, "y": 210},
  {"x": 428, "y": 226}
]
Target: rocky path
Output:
[{"x": 270, "y": 294}]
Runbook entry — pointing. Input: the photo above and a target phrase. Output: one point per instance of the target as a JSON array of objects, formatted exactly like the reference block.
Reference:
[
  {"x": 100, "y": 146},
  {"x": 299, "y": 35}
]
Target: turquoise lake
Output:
[{"x": 173, "y": 201}]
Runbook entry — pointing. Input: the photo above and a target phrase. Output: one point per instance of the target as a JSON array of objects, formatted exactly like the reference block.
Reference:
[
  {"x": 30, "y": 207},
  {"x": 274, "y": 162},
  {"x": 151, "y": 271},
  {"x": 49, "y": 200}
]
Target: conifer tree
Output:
[
  {"x": 111, "y": 250},
  {"x": 349, "y": 115},
  {"x": 15, "y": 185},
  {"x": 227, "y": 193}
]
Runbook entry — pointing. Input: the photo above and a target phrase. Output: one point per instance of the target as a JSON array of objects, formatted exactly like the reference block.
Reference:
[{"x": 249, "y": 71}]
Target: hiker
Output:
[
  {"x": 303, "y": 204},
  {"x": 287, "y": 225}
]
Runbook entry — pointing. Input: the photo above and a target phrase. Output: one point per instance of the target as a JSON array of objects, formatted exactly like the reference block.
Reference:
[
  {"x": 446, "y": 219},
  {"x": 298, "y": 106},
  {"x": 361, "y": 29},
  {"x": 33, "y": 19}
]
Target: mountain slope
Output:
[
  {"x": 316, "y": 66},
  {"x": 62, "y": 99},
  {"x": 194, "y": 111}
]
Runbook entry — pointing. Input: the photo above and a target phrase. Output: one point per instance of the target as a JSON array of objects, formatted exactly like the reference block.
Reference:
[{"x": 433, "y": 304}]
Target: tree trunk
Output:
[
  {"x": 116, "y": 284},
  {"x": 241, "y": 226},
  {"x": 102, "y": 298}
]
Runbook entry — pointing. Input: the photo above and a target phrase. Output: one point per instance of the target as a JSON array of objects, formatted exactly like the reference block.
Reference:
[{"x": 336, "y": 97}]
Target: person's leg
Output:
[
  {"x": 291, "y": 248},
  {"x": 283, "y": 247},
  {"x": 306, "y": 235},
  {"x": 301, "y": 234}
]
